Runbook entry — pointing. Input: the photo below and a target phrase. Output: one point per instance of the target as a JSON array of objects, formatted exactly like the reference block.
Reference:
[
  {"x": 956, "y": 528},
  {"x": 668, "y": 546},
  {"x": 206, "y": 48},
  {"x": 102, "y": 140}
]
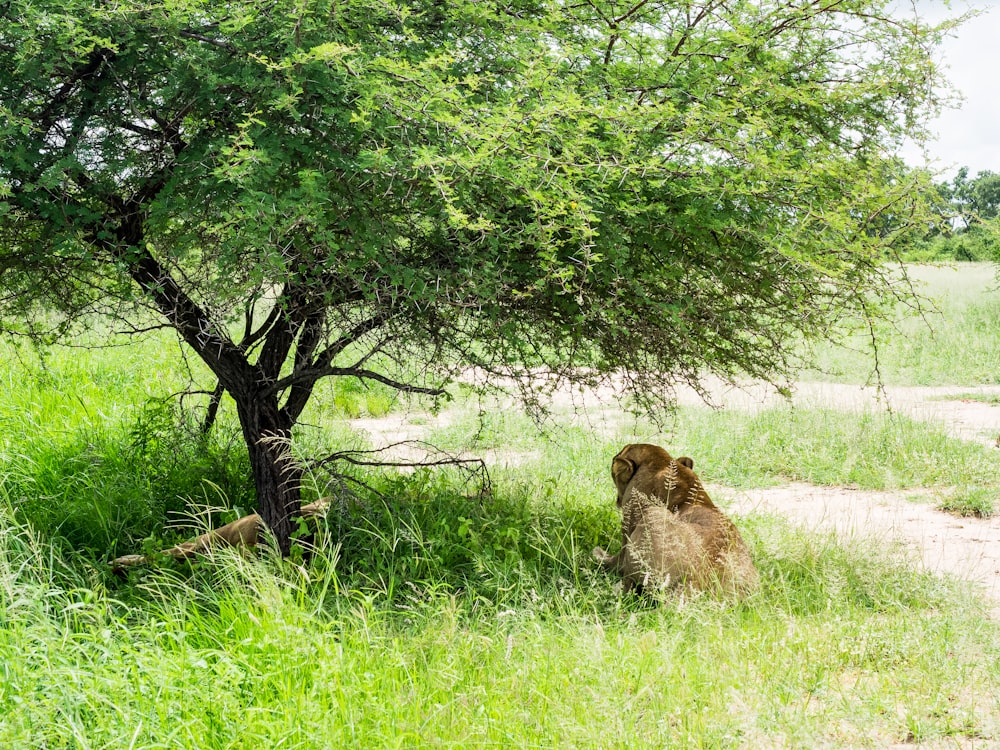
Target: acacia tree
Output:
[{"x": 311, "y": 189}]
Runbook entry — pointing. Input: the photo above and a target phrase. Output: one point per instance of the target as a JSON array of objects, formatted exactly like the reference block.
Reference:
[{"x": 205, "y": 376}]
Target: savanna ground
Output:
[{"x": 438, "y": 615}]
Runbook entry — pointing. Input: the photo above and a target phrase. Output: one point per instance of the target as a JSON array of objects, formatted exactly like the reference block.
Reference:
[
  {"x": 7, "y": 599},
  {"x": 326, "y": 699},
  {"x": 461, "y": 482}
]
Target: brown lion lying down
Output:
[
  {"x": 672, "y": 533},
  {"x": 242, "y": 533}
]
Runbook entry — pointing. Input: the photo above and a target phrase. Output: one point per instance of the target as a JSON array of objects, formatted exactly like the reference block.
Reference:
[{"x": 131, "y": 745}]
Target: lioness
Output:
[
  {"x": 673, "y": 535},
  {"x": 242, "y": 533}
]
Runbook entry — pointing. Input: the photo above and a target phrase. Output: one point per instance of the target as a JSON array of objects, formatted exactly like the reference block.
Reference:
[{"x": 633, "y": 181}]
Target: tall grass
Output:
[
  {"x": 436, "y": 615},
  {"x": 92, "y": 453},
  {"x": 843, "y": 646}
]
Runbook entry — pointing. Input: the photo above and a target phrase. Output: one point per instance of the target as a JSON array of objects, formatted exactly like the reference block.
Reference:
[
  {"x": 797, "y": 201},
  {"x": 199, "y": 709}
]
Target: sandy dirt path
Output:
[{"x": 967, "y": 548}]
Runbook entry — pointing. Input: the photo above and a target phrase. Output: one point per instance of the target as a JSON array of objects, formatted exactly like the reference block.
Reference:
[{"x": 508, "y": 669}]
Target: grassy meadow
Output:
[
  {"x": 437, "y": 615},
  {"x": 951, "y": 341}
]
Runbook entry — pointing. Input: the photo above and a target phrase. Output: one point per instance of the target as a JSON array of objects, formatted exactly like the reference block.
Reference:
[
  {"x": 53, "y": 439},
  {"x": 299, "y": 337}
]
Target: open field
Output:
[
  {"x": 437, "y": 616},
  {"x": 951, "y": 342}
]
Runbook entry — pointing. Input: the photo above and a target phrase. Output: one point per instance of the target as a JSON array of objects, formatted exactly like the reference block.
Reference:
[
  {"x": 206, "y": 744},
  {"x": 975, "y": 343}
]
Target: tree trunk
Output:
[
  {"x": 266, "y": 428},
  {"x": 276, "y": 474}
]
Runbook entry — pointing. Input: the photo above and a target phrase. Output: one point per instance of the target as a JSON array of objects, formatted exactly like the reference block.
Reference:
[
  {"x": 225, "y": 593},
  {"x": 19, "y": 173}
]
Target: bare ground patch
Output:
[{"x": 967, "y": 548}]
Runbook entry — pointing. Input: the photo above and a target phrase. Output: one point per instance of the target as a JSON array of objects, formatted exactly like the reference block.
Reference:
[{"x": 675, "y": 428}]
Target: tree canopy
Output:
[{"x": 314, "y": 189}]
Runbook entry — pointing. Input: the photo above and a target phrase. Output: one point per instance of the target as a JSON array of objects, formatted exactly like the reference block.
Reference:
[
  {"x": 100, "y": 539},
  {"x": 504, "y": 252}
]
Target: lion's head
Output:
[{"x": 650, "y": 470}]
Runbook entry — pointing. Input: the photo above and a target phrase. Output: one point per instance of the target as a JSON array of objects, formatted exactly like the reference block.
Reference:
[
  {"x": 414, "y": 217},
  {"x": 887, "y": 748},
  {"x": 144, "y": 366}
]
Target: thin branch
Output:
[
  {"x": 315, "y": 374},
  {"x": 357, "y": 458},
  {"x": 188, "y": 34},
  {"x": 305, "y": 376},
  {"x": 140, "y": 129},
  {"x": 213, "y": 409},
  {"x": 252, "y": 338},
  {"x": 82, "y": 73},
  {"x": 352, "y": 457},
  {"x": 610, "y": 48},
  {"x": 631, "y": 11}
]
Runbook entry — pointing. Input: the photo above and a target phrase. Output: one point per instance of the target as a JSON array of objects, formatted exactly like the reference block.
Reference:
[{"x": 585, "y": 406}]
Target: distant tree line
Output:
[{"x": 968, "y": 220}]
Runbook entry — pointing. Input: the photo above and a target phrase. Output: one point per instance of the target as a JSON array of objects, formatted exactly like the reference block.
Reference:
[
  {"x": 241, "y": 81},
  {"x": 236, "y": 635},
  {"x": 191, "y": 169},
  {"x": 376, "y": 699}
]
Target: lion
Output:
[
  {"x": 243, "y": 533},
  {"x": 673, "y": 535}
]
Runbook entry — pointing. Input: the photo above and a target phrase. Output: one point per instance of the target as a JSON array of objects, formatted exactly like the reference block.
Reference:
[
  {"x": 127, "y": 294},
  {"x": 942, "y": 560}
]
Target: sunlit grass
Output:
[
  {"x": 438, "y": 615},
  {"x": 843, "y": 645},
  {"x": 955, "y": 342}
]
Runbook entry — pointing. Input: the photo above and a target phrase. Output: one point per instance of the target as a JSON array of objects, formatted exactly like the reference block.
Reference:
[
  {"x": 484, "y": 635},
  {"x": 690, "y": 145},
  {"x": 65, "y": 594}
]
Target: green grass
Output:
[
  {"x": 978, "y": 501},
  {"x": 957, "y": 342},
  {"x": 435, "y": 615},
  {"x": 869, "y": 450},
  {"x": 843, "y": 646}
]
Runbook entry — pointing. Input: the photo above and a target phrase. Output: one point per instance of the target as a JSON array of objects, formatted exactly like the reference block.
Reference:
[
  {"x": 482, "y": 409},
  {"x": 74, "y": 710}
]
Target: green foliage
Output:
[
  {"x": 567, "y": 183},
  {"x": 966, "y": 228},
  {"x": 978, "y": 243},
  {"x": 305, "y": 190},
  {"x": 974, "y": 200}
]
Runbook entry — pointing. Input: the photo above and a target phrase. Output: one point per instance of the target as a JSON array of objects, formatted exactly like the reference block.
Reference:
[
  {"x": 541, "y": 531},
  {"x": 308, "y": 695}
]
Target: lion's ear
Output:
[
  {"x": 686, "y": 461},
  {"x": 622, "y": 470}
]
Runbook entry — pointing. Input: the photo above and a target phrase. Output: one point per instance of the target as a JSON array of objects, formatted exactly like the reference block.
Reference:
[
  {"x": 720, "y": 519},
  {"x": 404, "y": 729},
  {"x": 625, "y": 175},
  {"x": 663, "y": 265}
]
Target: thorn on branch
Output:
[{"x": 187, "y": 34}]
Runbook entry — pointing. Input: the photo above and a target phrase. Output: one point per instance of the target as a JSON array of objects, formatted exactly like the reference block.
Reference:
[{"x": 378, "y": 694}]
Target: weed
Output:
[{"x": 978, "y": 501}]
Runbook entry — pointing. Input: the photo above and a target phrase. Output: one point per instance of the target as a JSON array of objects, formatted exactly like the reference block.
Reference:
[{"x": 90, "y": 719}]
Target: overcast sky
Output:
[{"x": 969, "y": 136}]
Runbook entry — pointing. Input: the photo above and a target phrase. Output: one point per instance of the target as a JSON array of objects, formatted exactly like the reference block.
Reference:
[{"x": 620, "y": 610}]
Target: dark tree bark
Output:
[
  {"x": 277, "y": 476},
  {"x": 267, "y": 428}
]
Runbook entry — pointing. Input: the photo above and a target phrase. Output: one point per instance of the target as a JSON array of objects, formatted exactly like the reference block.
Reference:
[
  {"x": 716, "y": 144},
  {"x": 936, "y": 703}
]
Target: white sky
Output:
[{"x": 968, "y": 136}]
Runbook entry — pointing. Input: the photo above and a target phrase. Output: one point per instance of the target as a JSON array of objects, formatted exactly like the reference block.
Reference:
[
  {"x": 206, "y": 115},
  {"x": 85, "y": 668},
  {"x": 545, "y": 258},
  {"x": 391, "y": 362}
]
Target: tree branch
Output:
[
  {"x": 193, "y": 324},
  {"x": 370, "y": 375},
  {"x": 291, "y": 314},
  {"x": 312, "y": 375},
  {"x": 355, "y": 458},
  {"x": 188, "y": 34},
  {"x": 83, "y": 72},
  {"x": 304, "y": 376}
]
